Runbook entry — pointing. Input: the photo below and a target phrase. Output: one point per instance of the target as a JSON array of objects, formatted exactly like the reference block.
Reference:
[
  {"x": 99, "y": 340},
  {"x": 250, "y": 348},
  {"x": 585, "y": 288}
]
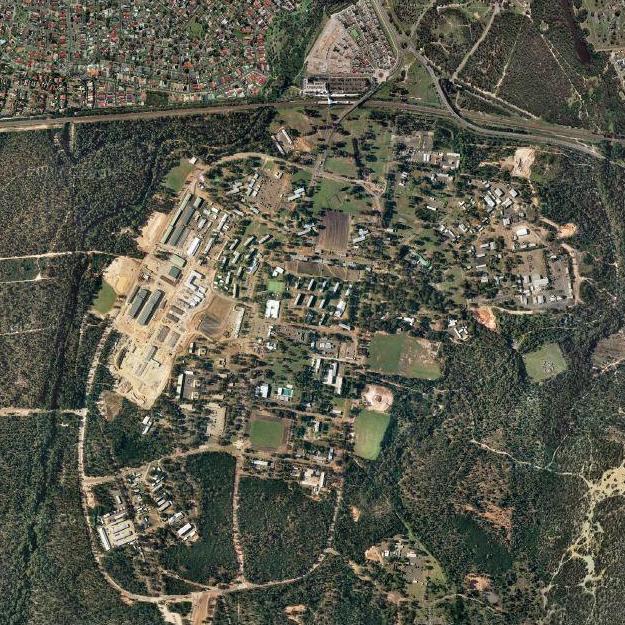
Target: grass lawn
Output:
[
  {"x": 266, "y": 434},
  {"x": 293, "y": 118},
  {"x": 402, "y": 354},
  {"x": 545, "y": 363},
  {"x": 257, "y": 229},
  {"x": 420, "y": 85},
  {"x": 369, "y": 429},
  {"x": 452, "y": 283},
  {"x": 276, "y": 287},
  {"x": 341, "y": 165},
  {"x": 105, "y": 298},
  {"x": 300, "y": 179},
  {"x": 196, "y": 29},
  {"x": 429, "y": 581},
  {"x": 177, "y": 175},
  {"x": 357, "y": 122},
  {"x": 340, "y": 196}
]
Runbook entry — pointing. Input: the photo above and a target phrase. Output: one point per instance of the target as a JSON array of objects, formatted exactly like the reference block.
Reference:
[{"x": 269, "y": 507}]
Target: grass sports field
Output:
[
  {"x": 176, "y": 176},
  {"x": 105, "y": 298},
  {"x": 266, "y": 434},
  {"x": 369, "y": 431},
  {"x": 275, "y": 286},
  {"x": 545, "y": 363},
  {"x": 405, "y": 355}
]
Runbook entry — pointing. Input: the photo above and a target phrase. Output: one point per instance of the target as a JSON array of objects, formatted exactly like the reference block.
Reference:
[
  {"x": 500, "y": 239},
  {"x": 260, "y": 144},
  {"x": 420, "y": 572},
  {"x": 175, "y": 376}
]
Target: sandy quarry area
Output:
[
  {"x": 122, "y": 273},
  {"x": 485, "y": 316},
  {"x": 378, "y": 398},
  {"x": 519, "y": 164},
  {"x": 523, "y": 160},
  {"x": 152, "y": 231},
  {"x": 373, "y": 554}
]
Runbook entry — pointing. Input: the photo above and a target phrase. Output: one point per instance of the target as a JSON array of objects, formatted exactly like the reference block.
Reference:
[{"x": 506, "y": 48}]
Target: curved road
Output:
[
  {"x": 552, "y": 137},
  {"x": 530, "y": 131}
]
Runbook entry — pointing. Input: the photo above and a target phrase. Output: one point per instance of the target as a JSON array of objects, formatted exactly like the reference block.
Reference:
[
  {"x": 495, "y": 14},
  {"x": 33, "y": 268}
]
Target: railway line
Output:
[{"x": 530, "y": 131}]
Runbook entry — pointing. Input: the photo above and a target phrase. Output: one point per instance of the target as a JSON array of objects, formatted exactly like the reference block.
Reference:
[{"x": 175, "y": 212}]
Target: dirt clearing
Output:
[
  {"x": 567, "y": 231},
  {"x": 214, "y": 319},
  {"x": 334, "y": 237},
  {"x": 373, "y": 555},
  {"x": 152, "y": 231},
  {"x": 121, "y": 274},
  {"x": 477, "y": 582},
  {"x": 378, "y": 398},
  {"x": 486, "y": 317},
  {"x": 295, "y": 613},
  {"x": 112, "y": 404},
  {"x": 518, "y": 164},
  {"x": 523, "y": 160}
]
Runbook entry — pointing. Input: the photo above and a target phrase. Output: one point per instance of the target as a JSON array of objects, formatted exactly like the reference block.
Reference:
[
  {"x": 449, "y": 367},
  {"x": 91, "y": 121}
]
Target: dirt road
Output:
[{"x": 58, "y": 254}]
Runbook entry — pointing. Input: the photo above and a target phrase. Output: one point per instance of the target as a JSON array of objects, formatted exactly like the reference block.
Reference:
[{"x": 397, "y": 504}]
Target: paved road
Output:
[
  {"x": 550, "y": 136},
  {"x": 14, "y": 125},
  {"x": 530, "y": 131}
]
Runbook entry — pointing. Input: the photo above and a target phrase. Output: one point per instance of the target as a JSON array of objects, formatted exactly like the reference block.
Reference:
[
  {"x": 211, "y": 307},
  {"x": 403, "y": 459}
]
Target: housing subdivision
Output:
[
  {"x": 68, "y": 56},
  {"x": 352, "y": 53}
]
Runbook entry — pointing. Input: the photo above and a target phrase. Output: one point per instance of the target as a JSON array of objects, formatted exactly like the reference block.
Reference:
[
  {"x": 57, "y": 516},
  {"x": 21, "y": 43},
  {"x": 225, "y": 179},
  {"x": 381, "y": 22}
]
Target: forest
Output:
[
  {"x": 82, "y": 200},
  {"x": 211, "y": 558},
  {"x": 40, "y": 516},
  {"x": 283, "y": 530},
  {"x": 562, "y": 64}
]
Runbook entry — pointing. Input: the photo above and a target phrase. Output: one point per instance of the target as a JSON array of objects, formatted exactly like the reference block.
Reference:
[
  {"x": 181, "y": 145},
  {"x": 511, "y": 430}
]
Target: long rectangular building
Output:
[
  {"x": 150, "y": 307},
  {"x": 174, "y": 221},
  {"x": 138, "y": 302},
  {"x": 177, "y": 228}
]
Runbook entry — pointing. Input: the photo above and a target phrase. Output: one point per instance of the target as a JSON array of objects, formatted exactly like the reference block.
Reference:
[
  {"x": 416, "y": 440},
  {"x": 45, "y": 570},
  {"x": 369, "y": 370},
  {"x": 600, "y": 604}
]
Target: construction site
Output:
[{"x": 173, "y": 287}]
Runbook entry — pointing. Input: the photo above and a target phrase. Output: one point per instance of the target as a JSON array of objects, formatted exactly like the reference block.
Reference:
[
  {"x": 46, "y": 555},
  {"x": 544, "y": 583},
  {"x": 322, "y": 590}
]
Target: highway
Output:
[
  {"x": 559, "y": 136},
  {"x": 515, "y": 129},
  {"x": 529, "y": 131},
  {"x": 24, "y": 124}
]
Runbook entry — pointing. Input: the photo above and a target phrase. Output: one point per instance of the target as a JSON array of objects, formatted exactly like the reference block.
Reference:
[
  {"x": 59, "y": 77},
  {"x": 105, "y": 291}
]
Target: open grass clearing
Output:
[
  {"x": 275, "y": 286},
  {"x": 369, "y": 429},
  {"x": 340, "y": 196},
  {"x": 176, "y": 177},
  {"x": 293, "y": 118},
  {"x": 342, "y": 165},
  {"x": 414, "y": 83},
  {"x": 405, "y": 355},
  {"x": 266, "y": 433},
  {"x": 374, "y": 141},
  {"x": 545, "y": 363},
  {"x": 105, "y": 298},
  {"x": 420, "y": 85}
]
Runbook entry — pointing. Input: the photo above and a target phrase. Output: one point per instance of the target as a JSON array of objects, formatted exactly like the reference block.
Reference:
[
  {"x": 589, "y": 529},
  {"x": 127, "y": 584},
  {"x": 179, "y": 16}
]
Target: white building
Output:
[{"x": 272, "y": 309}]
